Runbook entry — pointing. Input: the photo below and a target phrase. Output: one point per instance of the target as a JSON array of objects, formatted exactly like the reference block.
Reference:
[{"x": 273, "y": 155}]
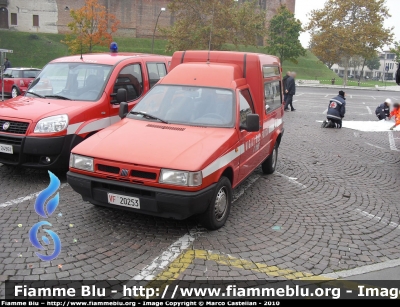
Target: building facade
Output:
[
  {"x": 137, "y": 17},
  {"x": 386, "y": 71}
]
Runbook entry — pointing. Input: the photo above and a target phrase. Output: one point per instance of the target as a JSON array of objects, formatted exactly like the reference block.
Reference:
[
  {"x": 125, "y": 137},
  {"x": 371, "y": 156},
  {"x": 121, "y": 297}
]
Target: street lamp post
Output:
[{"x": 155, "y": 28}]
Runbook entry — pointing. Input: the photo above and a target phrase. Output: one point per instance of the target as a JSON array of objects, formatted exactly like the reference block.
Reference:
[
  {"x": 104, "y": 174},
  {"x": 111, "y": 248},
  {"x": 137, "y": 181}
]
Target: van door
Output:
[
  {"x": 249, "y": 140},
  {"x": 131, "y": 79},
  {"x": 156, "y": 71}
]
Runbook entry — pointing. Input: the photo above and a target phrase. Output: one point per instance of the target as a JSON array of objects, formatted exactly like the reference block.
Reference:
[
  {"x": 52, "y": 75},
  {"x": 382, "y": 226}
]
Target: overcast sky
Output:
[{"x": 303, "y": 7}]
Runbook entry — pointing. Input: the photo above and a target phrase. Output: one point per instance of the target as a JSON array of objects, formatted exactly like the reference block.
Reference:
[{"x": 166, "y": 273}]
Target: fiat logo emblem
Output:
[{"x": 6, "y": 125}]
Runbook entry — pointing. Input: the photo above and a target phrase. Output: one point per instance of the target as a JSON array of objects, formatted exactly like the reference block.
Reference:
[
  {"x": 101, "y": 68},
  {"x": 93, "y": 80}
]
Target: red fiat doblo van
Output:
[
  {"x": 71, "y": 99},
  {"x": 193, "y": 138}
]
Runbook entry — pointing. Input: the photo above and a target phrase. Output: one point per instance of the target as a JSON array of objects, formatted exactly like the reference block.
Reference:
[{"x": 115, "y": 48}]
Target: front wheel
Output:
[
  {"x": 269, "y": 165},
  {"x": 14, "y": 92},
  {"x": 218, "y": 211}
]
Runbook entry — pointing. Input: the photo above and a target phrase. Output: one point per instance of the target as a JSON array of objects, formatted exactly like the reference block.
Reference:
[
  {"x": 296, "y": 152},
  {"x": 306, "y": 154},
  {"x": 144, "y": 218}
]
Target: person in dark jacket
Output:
[
  {"x": 398, "y": 74},
  {"x": 290, "y": 91},
  {"x": 7, "y": 64},
  {"x": 383, "y": 110},
  {"x": 284, "y": 79},
  {"x": 336, "y": 111}
]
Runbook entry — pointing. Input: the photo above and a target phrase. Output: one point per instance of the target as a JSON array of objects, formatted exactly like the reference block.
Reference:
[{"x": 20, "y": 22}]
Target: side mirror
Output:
[
  {"x": 123, "y": 109},
  {"x": 252, "y": 123},
  {"x": 122, "y": 95}
]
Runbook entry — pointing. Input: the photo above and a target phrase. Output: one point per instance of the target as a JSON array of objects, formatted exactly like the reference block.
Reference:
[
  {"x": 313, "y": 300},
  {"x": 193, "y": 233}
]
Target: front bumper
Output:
[
  {"x": 153, "y": 201},
  {"x": 32, "y": 151}
]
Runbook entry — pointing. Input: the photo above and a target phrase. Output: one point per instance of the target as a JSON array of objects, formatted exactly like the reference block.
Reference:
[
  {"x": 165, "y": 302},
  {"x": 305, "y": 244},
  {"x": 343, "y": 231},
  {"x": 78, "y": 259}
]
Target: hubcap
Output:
[
  {"x": 221, "y": 204},
  {"x": 14, "y": 93},
  {"x": 274, "y": 158}
]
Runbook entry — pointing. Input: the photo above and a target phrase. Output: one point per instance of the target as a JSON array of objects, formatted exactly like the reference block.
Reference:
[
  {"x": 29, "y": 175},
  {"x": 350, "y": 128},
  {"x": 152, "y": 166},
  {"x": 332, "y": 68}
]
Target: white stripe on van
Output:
[
  {"x": 93, "y": 126},
  {"x": 223, "y": 161}
]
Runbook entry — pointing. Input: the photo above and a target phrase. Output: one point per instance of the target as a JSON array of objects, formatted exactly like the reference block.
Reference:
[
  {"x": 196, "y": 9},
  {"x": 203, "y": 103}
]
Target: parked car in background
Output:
[{"x": 17, "y": 80}]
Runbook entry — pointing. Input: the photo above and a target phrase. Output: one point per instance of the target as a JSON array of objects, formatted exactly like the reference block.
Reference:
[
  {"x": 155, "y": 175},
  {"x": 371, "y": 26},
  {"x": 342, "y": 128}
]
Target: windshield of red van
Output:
[
  {"x": 70, "y": 81},
  {"x": 188, "y": 105}
]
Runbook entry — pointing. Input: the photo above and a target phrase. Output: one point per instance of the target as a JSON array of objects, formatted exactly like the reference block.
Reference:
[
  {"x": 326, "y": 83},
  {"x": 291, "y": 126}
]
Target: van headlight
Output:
[
  {"x": 183, "y": 178},
  {"x": 52, "y": 124},
  {"x": 81, "y": 162}
]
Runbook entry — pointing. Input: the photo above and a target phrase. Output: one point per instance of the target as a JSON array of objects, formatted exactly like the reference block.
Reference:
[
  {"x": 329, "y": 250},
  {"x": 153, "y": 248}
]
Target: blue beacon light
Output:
[{"x": 113, "y": 47}]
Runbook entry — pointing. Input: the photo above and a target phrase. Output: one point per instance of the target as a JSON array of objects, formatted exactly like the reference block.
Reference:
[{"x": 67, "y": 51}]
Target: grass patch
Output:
[{"x": 37, "y": 49}]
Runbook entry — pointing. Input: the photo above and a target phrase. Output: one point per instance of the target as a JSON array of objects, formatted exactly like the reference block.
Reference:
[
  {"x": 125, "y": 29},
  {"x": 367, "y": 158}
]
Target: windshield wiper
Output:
[
  {"x": 58, "y": 96},
  {"x": 37, "y": 95},
  {"x": 149, "y": 116}
]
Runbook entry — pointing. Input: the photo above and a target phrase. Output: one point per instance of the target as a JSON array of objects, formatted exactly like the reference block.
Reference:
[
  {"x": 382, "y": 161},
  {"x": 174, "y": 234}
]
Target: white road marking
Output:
[
  {"x": 374, "y": 146},
  {"x": 369, "y": 110},
  {"x": 351, "y": 96},
  {"x": 356, "y": 134},
  {"x": 378, "y": 218},
  {"x": 300, "y": 94},
  {"x": 392, "y": 143},
  {"x": 292, "y": 180},
  {"x": 326, "y": 111},
  {"x": 326, "y": 95},
  {"x": 175, "y": 249},
  {"x": 25, "y": 198},
  {"x": 172, "y": 252},
  {"x": 373, "y": 97},
  {"x": 363, "y": 102}
]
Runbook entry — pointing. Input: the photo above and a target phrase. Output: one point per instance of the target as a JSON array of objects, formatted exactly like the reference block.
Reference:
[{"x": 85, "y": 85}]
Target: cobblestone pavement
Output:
[{"x": 333, "y": 204}]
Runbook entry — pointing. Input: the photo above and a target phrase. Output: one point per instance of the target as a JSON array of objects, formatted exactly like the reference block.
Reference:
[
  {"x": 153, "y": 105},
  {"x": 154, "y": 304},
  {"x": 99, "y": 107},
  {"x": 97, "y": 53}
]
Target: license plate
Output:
[
  {"x": 8, "y": 149},
  {"x": 126, "y": 201}
]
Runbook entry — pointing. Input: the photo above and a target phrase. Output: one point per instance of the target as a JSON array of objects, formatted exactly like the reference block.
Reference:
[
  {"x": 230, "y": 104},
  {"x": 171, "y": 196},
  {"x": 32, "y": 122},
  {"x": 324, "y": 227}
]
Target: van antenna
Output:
[{"x": 212, "y": 26}]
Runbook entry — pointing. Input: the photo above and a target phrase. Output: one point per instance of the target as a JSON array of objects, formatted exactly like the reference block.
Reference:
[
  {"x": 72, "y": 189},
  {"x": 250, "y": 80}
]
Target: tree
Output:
[
  {"x": 202, "y": 24},
  {"x": 374, "y": 63},
  {"x": 349, "y": 28},
  {"x": 91, "y": 26},
  {"x": 396, "y": 50},
  {"x": 283, "y": 36}
]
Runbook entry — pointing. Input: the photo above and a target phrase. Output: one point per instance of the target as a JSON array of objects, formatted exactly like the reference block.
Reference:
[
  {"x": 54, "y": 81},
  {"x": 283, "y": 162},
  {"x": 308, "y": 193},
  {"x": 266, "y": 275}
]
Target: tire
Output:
[
  {"x": 269, "y": 165},
  {"x": 213, "y": 218},
  {"x": 14, "y": 92}
]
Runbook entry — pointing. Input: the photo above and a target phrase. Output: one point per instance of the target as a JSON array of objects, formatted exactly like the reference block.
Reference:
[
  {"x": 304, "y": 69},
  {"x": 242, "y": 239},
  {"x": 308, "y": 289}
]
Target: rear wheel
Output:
[
  {"x": 14, "y": 92},
  {"x": 218, "y": 211},
  {"x": 269, "y": 165}
]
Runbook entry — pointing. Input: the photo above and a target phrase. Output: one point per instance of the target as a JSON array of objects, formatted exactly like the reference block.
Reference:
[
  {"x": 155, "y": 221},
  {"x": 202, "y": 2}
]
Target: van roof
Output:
[
  {"x": 105, "y": 58},
  {"x": 202, "y": 74}
]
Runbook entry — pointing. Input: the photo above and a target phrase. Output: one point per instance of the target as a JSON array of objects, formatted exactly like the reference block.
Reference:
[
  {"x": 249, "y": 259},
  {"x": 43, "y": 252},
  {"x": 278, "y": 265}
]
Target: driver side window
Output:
[
  {"x": 246, "y": 105},
  {"x": 129, "y": 78}
]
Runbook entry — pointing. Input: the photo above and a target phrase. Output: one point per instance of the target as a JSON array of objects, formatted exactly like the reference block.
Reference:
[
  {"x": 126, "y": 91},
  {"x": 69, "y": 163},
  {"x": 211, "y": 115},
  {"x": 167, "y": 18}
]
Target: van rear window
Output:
[{"x": 270, "y": 71}]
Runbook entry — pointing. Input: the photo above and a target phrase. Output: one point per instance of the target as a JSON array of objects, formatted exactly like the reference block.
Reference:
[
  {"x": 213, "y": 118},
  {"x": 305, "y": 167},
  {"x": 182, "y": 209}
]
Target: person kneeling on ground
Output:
[
  {"x": 336, "y": 111},
  {"x": 383, "y": 110},
  {"x": 396, "y": 114}
]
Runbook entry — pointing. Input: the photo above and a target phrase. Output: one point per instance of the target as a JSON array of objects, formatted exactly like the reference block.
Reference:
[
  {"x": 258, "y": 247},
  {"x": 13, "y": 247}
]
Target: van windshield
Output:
[
  {"x": 188, "y": 105},
  {"x": 70, "y": 81}
]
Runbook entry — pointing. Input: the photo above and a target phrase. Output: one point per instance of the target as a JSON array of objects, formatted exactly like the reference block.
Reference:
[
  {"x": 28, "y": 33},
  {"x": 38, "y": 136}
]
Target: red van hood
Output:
[
  {"x": 34, "y": 109},
  {"x": 146, "y": 143}
]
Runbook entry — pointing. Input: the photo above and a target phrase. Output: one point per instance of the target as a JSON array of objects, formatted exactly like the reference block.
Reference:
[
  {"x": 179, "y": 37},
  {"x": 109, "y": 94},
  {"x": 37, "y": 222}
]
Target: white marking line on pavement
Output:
[
  {"x": 25, "y": 198},
  {"x": 326, "y": 95},
  {"x": 326, "y": 111},
  {"x": 364, "y": 269},
  {"x": 176, "y": 248},
  {"x": 369, "y": 110},
  {"x": 374, "y": 146},
  {"x": 351, "y": 96},
  {"x": 373, "y": 97},
  {"x": 300, "y": 94},
  {"x": 292, "y": 180},
  {"x": 363, "y": 102},
  {"x": 378, "y": 218},
  {"x": 356, "y": 135},
  {"x": 392, "y": 142}
]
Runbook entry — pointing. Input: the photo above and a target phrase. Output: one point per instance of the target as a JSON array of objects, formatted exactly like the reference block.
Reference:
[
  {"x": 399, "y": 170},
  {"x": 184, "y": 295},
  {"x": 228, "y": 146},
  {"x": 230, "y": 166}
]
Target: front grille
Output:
[
  {"x": 15, "y": 127},
  {"x": 124, "y": 190},
  {"x": 108, "y": 169},
  {"x": 10, "y": 140},
  {"x": 144, "y": 175}
]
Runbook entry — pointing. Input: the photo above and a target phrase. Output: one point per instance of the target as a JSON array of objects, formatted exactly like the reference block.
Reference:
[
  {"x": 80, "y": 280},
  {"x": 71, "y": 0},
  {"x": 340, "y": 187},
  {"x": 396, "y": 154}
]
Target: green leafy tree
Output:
[
  {"x": 199, "y": 22},
  {"x": 349, "y": 28},
  {"x": 374, "y": 63},
  {"x": 283, "y": 36},
  {"x": 396, "y": 50}
]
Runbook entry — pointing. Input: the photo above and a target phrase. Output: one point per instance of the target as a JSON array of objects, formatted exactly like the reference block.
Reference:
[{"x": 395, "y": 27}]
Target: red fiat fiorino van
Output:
[{"x": 194, "y": 137}]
